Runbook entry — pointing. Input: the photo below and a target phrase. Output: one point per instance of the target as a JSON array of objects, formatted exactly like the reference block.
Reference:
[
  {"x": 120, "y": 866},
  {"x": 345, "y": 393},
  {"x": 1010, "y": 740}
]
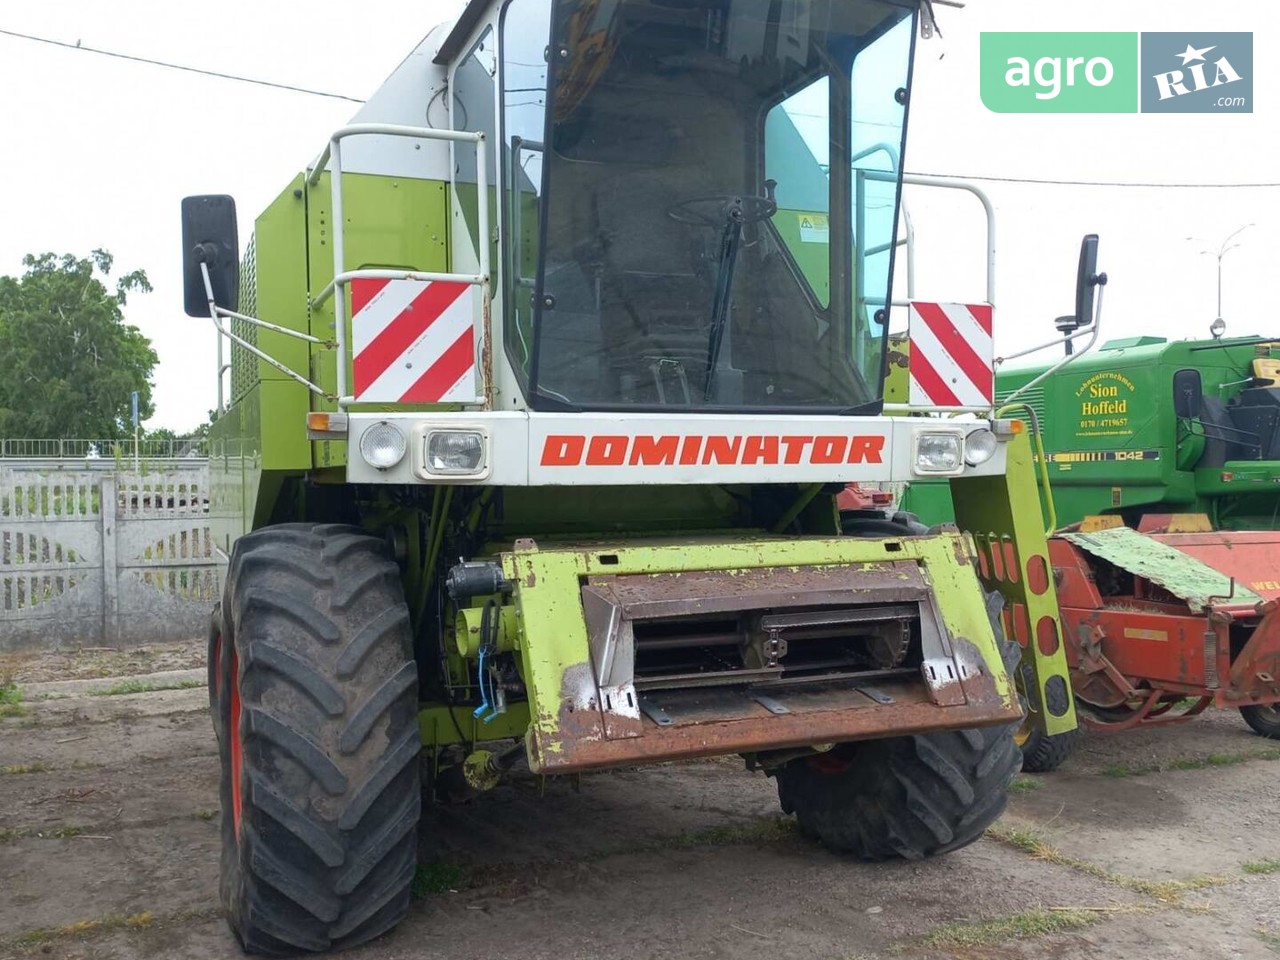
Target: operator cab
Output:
[{"x": 700, "y": 197}]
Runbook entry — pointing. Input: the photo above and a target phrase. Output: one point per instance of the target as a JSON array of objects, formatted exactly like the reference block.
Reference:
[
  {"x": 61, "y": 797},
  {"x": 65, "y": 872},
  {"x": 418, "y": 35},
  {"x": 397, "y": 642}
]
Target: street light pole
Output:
[{"x": 1223, "y": 250}]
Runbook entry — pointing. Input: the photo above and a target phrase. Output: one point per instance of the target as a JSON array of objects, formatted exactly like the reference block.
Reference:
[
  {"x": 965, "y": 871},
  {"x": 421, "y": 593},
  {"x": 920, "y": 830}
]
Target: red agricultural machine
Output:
[{"x": 1163, "y": 459}]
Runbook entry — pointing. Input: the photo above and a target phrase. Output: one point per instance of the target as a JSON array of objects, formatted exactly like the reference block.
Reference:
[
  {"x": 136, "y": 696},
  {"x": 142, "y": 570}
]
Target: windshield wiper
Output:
[
  {"x": 730, "y": 243},
  {"x": 736, "y": 215}
]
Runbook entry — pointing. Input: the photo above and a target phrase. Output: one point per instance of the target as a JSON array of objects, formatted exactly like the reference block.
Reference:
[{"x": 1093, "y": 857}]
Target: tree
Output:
[{"x": 68, "y": 361}]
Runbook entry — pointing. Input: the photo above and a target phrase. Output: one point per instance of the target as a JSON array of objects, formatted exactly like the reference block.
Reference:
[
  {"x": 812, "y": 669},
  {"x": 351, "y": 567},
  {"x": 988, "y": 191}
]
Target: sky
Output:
[{"x": 98, "y": 152}]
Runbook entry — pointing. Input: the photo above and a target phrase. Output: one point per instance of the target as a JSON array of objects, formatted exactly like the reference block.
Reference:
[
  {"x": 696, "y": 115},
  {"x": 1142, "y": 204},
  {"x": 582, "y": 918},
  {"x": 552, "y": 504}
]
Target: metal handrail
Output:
[
  {"x": 988, "y": 209},
  {"x": 331, "y": 157}
]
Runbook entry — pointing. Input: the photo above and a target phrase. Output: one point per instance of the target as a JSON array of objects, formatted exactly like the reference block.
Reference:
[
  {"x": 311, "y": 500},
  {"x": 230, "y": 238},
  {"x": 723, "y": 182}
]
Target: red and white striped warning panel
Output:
[
  {"x": 413, "y": 341},
  {"x": 951, "y": 355}
]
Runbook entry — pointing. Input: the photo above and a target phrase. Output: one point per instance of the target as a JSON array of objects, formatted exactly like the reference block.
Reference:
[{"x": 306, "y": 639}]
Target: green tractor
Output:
[
  {"x": 544, "y": 379},
  {"x": 1163, "y": 458}
]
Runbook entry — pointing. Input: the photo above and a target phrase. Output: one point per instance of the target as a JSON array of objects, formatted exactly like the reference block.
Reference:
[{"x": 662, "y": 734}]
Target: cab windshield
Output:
[{"x": 719, "y": 188}]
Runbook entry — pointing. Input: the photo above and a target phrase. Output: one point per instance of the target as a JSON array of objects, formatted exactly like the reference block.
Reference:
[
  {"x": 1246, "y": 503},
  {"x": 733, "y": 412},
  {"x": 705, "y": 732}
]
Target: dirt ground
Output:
[{"x": 1163, "y": 843}]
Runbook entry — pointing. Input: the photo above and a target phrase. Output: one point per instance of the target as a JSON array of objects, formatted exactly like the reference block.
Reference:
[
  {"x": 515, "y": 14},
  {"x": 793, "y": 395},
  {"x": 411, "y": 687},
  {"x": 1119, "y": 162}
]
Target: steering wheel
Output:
[{"x": 716, "y": 211}]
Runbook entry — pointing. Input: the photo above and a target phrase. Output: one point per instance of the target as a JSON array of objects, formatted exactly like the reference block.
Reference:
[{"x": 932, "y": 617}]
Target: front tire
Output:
[
  {"x": 316, "y": 712},
  {"x": 1265, "y": 721},
  {"x": 910, "y": 797}
]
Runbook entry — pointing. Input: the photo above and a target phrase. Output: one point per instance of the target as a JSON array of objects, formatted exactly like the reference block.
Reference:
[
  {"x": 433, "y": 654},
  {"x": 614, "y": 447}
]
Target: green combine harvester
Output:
[
  {"x": 545, "y": 376},
  {"x": 1163, "y": 458}
]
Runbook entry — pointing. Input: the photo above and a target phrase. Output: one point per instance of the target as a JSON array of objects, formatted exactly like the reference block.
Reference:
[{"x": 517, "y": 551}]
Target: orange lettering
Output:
[
  {"x": 722, "y": 450},
  {"x": 654, "y": 451},
  {"x": 760, "y": 450},
  {"x": 607, "y": 451},
  {"x": 828, "y": 449},
  {"x": 563, "y": 451},
  {"x": 866, "y": 450}
]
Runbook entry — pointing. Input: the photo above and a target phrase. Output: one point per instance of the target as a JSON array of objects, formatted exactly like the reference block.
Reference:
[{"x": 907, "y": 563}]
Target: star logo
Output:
[{"x": 1191, "y": 53}]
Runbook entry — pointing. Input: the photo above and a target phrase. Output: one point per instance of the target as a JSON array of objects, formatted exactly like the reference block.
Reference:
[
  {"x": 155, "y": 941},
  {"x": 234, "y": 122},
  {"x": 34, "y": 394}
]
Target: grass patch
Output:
[
  {"x": 10, "y": 834},
  {"x": 1029, "y": 925},
  {"x": 116, "y": 921},
  {"x": 762, "y": 831},
  {"x": 10, "y": 696},
  {"x": 1025, "y": 784},
  {"x": 19, "y": 768},
  {"x": 1168, "y": 891},
  {"x": 144, "y": 686},
  {"x": 1261, "y": 866},
  {"x": 1195, "y": 763},
  {"x": 439, "y": 877},
  {"x": 1268, "y": 939},
  {"x": 433, "y": 878}
]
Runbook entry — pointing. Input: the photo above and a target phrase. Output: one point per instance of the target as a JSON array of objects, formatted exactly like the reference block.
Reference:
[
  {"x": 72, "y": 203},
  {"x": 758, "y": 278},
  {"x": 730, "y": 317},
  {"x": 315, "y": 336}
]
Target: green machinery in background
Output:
[{"x": 1149, "y": 426}]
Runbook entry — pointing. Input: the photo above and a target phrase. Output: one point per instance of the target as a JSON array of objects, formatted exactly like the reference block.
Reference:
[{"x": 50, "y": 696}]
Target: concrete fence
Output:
[{"x": 96, "y": 554}]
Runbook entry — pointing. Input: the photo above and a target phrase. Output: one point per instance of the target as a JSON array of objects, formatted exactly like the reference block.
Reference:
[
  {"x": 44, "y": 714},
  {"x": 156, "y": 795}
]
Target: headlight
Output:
[
  {"x": 979, "y": 447},
  {"x": 382, "y": 445},
  {"x": 455, "y": 452},
  {"x": 939, "y": 453}
]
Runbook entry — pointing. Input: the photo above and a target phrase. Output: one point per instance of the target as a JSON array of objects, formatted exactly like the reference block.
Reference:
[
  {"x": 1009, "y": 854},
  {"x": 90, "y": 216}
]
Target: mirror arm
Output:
[
  {"x": 215, "y": 310},
  {"x": 1093, "y": 329}
]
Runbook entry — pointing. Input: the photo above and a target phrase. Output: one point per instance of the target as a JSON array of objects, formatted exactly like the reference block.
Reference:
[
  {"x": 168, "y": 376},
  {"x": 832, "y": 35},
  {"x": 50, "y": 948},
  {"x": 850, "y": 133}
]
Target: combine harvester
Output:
[
  {"x": 545, "y": 376},
  {"x": 1164, "y": 463}
]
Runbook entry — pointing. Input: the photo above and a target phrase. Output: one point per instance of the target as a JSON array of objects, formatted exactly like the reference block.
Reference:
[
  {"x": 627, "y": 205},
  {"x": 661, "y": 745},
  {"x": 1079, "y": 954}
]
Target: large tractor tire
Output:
[
  {"x": 909, "y": 797},
  {"x": 1265, "y": 721},
  {"x": 316, "y": 712}
]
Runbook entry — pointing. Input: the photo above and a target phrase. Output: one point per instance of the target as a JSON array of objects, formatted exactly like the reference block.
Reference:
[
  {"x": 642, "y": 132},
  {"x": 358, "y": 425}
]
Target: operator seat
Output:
[{"x": 656, "y": 285}]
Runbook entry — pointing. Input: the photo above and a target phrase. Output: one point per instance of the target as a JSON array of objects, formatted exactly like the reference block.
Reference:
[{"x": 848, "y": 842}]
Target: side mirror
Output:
[
  {"x": 1086, "y": 280},
  {"x": 1187, "y": 392},
  {"x": 209, "y": 237}
]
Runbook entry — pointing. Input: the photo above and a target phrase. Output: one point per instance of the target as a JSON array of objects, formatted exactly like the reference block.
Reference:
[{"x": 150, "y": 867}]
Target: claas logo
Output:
[{"x": 669, "y": 450}]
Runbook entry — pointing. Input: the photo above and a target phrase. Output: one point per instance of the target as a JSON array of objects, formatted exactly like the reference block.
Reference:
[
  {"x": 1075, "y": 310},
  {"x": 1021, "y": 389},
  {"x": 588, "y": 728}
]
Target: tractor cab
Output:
[{"x": 686, "y": 233}]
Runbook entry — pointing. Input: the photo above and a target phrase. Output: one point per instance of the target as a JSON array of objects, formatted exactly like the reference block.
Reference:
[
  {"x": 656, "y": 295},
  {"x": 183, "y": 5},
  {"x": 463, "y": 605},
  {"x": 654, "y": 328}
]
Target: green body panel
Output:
[
  {"x": 1178, "y": 572},
  {"x": 1003, "y": 515},
  {"x": 1115, "y": 445},
  {"x": 403, "y": 224},
  {"x": 554, "y": 652}
]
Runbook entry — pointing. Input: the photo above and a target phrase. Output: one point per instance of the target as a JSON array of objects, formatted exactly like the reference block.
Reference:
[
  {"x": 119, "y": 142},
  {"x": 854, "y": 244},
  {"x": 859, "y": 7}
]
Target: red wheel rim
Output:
[
  {"x": 233, "y": 736},
  {"x": 828, "y": 762}
]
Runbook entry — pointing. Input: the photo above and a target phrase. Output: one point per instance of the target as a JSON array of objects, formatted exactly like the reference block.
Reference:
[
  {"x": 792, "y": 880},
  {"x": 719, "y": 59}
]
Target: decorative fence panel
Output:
[{"x": 94, "y": 554}]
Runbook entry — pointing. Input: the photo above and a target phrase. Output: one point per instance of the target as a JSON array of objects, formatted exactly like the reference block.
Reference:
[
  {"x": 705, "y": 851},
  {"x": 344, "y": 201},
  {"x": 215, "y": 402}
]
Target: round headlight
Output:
[
  {"x": 382, "y": 445},
  {"x": 979, "y": 447}
]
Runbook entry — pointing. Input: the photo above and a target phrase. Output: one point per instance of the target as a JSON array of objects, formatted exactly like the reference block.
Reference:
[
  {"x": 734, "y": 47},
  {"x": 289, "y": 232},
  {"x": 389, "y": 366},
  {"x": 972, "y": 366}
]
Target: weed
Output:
[
  {"x": 144, "y": 686},
  {"x": 205, "y": 814},
  {"x": 1024, "y": 784},
  {"x": 1195, "y": 763},
  {"x": 10, "y": 695},
  {"x": 1028, "y": 925},
  {"x": 18, "y": 768},
  {"x": 1261, "y": 866},
  {"x": 1268, "y": 939},
  {"x": 1164, "y": 890},
  {"x": 115, "y": 921},
  {"x": 760, "y": 831},
  {"x": 10, "y": 834},
  {"x": 432, "y": 878}
]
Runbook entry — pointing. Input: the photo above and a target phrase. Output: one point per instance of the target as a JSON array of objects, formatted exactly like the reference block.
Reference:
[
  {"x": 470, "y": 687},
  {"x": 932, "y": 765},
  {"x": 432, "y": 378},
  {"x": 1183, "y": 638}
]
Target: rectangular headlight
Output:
[
  {"x": 939, "y": 453},
  {"x": 455, "y": 453}
]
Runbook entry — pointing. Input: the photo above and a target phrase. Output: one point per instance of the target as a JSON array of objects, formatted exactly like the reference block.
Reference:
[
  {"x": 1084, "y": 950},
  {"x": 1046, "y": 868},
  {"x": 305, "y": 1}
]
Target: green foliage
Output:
[
  {"x": 1262, "y": 866},
  {"x": 70, "y": 361}
]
